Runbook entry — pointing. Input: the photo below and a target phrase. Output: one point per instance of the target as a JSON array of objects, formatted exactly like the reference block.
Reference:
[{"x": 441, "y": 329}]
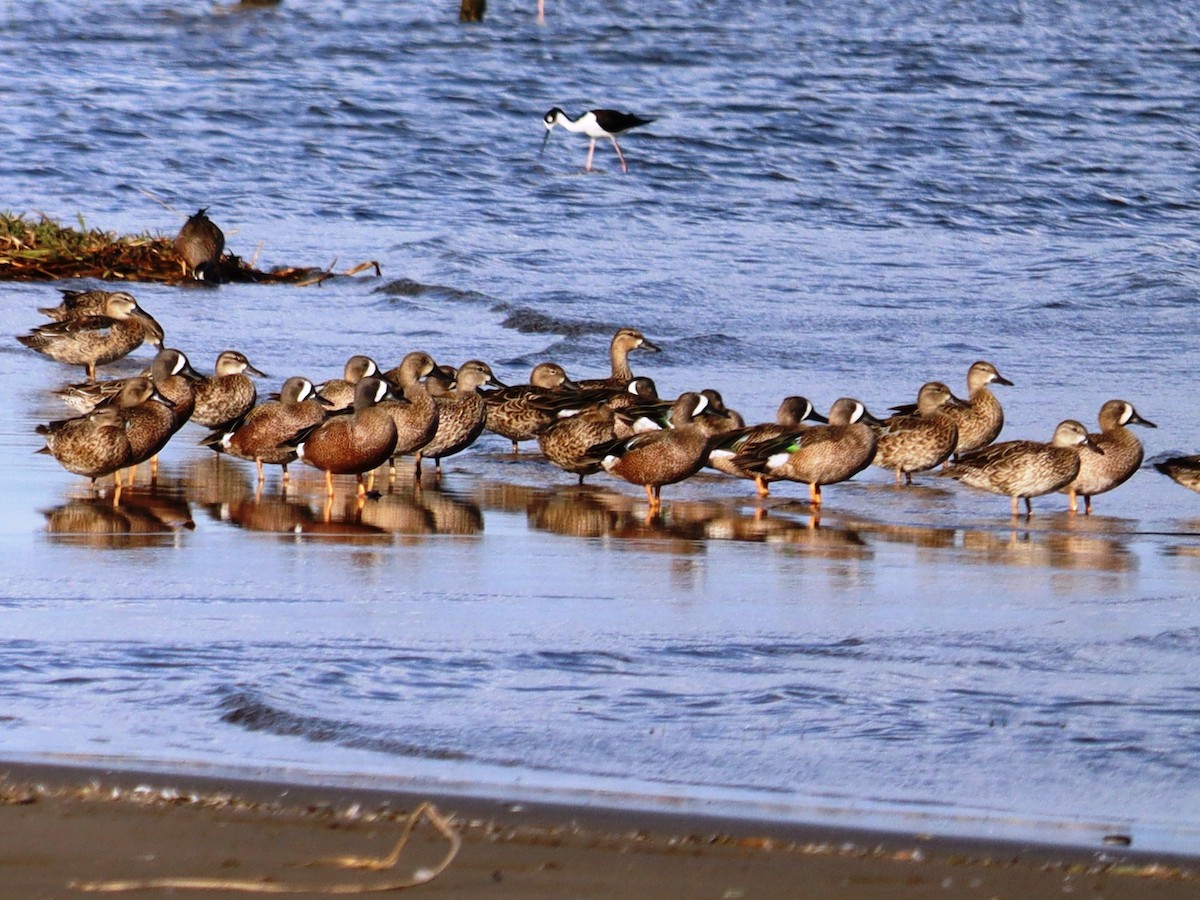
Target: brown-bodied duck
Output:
[
  {"x": 922, "y": 440},
  {"x": 354, "y": 442},
  {"x": 819, "y": 454},
  {"x": 149, "y": 418},
  {"x": 93, "y": 445},
  {"x": 339, "y": 393},
  {"x": 566, "y": 441},
  {"x": 414, "y": 411},
  {"x": 1183, "y": 470},
  {"x": 199, "y": 245},
  {"x": 168, "y": 363},
  {"x": 1122, "y": 455},
  {"x": 654, "y": 415},
  {"x": 264, "y": 433},
  {"x": 793, "y": 412},
  {"x": 77, "y": 304},
  {"x": 624, "y": 342},
  {"x": 1026, "y": 469},
  {"x": 512, "y": 412},
  {"x": 981, "y": 417},
  {"x": 656, "y": 458},
  {"x": 229, "y": 393},
  {"x": 95, "y": 340},
  {"x": 461, "y": 414}
]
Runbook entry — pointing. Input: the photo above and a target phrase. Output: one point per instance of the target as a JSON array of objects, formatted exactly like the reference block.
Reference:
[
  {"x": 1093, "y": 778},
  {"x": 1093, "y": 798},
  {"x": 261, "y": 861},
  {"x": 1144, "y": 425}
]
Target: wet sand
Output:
[{"x": 74, "y": 830}]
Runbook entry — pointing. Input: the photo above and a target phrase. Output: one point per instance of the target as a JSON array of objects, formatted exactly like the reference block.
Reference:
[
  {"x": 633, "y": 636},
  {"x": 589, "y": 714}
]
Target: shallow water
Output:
[{"x": 830, "y": 203}]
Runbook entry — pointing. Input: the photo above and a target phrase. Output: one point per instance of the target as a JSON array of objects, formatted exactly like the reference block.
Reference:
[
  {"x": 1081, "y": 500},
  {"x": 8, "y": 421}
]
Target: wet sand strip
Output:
[{"x": 73, "y": 831}]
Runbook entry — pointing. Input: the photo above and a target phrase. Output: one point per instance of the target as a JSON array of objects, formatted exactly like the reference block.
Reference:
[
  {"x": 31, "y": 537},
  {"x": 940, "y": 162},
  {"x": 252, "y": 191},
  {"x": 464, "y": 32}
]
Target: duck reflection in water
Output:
[{"x": 153, "y": 516}]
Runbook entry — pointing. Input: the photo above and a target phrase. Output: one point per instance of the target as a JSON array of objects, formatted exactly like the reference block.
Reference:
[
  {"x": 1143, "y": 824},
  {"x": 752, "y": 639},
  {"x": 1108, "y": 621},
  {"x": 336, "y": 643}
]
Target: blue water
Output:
[{"x": 831, "y": 201}]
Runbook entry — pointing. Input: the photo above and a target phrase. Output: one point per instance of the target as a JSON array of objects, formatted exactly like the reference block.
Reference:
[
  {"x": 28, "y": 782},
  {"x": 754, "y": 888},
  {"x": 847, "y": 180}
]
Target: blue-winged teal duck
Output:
[
  {"x": 227, "y": 394},
  {"x": 656, "y": 458},
  {"x": 339, "y": 392},
  {"x": 1184, "y": 470},
  {"x": 199, "y": 245},
  {"x": 981, "y": 417},
  {"x": 415, "y": 412},
  {"x": 584, "y": 418},
  {"x": 511, "y": 411},
  {"x": 94, "y": 340},
  {"x": 1025, "y": 469},
  {"x": 654, "y": 415},
  {"x": 624, "y": 342},
  {"x": 820, "y": 454},
  {"x": 355, "y": 442},
  {"x": 93, "y": 445},
  {"x": 461, "y": 414},
  {"x": 149, "y": 417},
  {"x": 263, "y": 435},
  {"x": 566, "y": 441},
  {"x": 918, "y": 442},
  {"x": 168, "y": 364},
  {"x": 1122, "y": 455},
  {"x": 77, "y": 304},
  {"x": 793, "y": 412}
]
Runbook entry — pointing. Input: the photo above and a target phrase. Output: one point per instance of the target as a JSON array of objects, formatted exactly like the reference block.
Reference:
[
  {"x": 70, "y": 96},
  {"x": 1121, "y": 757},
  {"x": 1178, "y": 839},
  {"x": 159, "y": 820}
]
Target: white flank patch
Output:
[{"x": 776, "y": 460}]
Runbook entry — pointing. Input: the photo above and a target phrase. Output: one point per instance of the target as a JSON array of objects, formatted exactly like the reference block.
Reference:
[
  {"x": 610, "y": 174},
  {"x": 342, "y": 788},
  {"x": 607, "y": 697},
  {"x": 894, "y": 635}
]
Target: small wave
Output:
[
  {"x": 406, "y": 287},
  {"x": 528, "y": 321},
  {"x": 243, "y": 709}
]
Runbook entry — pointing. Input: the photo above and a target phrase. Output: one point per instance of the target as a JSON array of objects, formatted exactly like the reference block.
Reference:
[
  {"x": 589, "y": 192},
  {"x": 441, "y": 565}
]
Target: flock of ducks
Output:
[{"x": 370, "y": 418}]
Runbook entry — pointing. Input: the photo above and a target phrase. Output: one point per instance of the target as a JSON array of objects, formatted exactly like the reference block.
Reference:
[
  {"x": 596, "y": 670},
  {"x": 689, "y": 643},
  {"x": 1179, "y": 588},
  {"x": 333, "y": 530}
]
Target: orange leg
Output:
[
  {"x": 761, "y": 484},
  {"x": 814, "y": 494},
  {"x": 328, "y": 483}
]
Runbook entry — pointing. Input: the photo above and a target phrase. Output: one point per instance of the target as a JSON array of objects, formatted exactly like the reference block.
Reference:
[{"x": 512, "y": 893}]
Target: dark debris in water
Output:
[{"x": 44, "y": 250}]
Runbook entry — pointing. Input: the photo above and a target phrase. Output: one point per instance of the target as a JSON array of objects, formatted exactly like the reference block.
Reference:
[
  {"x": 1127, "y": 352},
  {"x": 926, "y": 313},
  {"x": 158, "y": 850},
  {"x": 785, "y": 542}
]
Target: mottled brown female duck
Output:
[
  {"x": 918, "y": 442},
  {"x": 566, "y": 441},
  {"x": 263, "y": 435},
  {"x": 339, "y": 393},
  {"x": 511, "y": 411},
  {"x": 793, "y": 412},
  {"x": 624, "y": 342},
  {"x": 77, "y": 304},
  {"x": 981, "y": 418},
  {"x": 461, "y": 414},
  {"x": 821, "y": 454},
  {"x": 168, "y": 363},
  {"x": 1183, "y": 470},
  {"x": 415, "y": 412},
  {"x": 95, "y": 340},
  {"x": 227, "y": 394},
  {"x": 93, "y": 445},
  {"x": 199, "y": 245},
  {"x": 149, "y": 418},
  {"x": 656, "y": 458},
  {"x": 355, "y": 442},
  {"x": 1122, "y": 455},
  {"x": 1025, "y": 469}
]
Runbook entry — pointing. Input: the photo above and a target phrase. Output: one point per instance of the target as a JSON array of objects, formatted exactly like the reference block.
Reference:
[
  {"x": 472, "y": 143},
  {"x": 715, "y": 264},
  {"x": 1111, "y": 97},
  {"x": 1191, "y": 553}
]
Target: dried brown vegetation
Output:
[{"x": 41, "y": 249}]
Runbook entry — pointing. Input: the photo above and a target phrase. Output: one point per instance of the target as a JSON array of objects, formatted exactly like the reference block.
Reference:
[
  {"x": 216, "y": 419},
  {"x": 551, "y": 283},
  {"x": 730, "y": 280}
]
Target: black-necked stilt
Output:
[{"x": 595, "y": 123}]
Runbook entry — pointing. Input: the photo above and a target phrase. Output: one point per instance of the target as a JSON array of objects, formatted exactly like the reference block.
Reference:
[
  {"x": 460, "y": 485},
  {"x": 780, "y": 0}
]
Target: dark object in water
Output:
[
  {"x": 200, "y": 244},
  {"x": 472, "y": 10}
]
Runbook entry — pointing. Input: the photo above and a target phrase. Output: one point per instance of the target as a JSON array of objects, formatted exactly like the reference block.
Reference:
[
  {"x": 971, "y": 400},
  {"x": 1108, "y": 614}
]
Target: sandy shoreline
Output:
[{"x": 68, "y": 827}]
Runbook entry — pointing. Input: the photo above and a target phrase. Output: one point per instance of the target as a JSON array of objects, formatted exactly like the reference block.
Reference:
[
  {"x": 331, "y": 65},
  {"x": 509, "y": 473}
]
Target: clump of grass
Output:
[{"x": 41, "y": 249}]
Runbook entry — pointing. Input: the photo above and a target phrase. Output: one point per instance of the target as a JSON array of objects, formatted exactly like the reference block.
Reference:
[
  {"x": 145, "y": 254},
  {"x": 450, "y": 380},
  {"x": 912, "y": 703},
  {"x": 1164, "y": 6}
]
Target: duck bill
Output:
[
  {"x": 651, "y": 347},
  {"x": 1135, "y": 419},
  {"x": 1000, "y": 379},
  {"x": 568, "y": 385},
  {"x": 814, "y": 416},
  {"x": 154, "y": 331},
  {"x": 254, "y": 371},
  {"x": 867, "y": 419}
]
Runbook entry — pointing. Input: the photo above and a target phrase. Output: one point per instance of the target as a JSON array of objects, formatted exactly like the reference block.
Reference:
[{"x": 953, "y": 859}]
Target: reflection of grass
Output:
[{"x": 44, "y": 250}]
